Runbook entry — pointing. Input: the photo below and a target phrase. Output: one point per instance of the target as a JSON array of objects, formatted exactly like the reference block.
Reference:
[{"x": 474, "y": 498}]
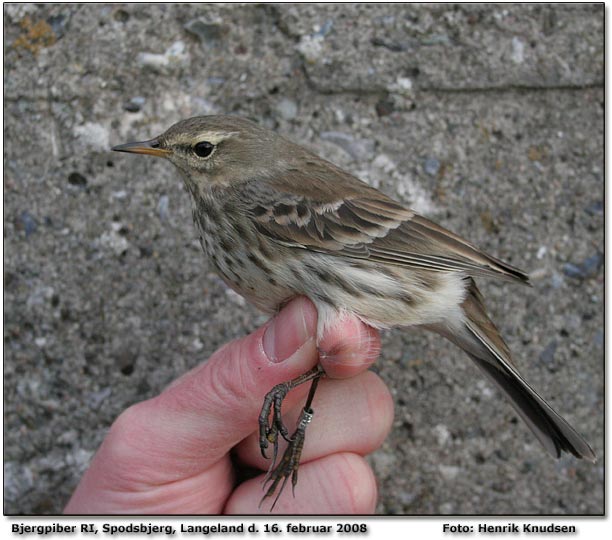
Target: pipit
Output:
[{"x": 278, "y": 221}]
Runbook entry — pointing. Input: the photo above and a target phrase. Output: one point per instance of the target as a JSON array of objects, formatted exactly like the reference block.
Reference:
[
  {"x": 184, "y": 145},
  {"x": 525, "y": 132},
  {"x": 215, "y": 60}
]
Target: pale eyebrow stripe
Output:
[{"x": 219, "y": 136}]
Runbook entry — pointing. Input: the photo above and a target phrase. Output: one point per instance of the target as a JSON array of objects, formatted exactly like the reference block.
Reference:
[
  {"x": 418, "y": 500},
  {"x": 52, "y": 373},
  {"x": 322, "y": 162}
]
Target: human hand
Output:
[{"x": 180, "y": 452}]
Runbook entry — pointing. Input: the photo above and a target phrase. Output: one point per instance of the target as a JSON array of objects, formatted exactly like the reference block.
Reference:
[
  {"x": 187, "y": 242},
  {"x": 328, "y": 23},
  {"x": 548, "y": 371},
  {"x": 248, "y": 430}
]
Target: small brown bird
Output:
[{"x": 278, "y": 221}]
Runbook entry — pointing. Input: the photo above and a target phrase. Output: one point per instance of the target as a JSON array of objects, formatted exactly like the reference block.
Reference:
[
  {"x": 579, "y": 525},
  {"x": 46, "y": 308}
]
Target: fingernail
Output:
[{"x": 289, "y": 330}]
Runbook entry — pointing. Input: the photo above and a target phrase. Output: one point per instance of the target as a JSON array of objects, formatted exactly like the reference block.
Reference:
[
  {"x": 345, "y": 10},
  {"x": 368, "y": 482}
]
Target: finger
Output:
[
  {"x": 353, "y": 415},
  {"x": 348, "y": 348},
  {"x": 337, "y": 484}
]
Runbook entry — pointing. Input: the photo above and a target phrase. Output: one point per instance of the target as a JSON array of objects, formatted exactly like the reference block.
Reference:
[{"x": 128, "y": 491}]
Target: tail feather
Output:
[
  {"x": 481, "y": 340},
  {"x": 555, "y": 434}
]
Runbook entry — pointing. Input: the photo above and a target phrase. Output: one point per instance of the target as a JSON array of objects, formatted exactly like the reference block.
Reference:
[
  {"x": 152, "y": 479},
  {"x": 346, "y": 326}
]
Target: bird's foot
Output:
[
  {"x": 268, "y": 431},
  {"x": 289, "y": 463}
]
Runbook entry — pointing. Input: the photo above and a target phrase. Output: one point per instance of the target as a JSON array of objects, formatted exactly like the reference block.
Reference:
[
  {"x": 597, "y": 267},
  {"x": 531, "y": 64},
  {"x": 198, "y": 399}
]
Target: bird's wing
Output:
[{"x": 351, "y": 219}]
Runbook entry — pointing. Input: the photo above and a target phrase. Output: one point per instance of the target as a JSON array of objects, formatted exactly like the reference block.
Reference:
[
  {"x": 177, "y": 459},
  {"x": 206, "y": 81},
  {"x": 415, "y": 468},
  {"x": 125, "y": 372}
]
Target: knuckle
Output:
[
  {"x": 380, "y": 403},
  {"x": 128, "y": 440},
  {"x": 231, "y": 383},
  {"x": 128, "y": 421}
]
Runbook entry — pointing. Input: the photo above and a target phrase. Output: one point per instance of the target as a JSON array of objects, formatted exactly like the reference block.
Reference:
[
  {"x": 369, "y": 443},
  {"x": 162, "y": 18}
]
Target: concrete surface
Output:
[{"x": 487, "y": 118}]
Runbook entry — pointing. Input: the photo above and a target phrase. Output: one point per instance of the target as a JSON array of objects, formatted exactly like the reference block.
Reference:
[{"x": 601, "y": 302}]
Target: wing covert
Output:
[{"x": 357, "y": 221}]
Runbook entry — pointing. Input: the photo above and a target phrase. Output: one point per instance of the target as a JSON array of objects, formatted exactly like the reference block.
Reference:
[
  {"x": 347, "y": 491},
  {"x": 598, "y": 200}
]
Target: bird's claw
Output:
[
  {"x": 289, "y": 463},
  {"x": 268, "y": 431}
]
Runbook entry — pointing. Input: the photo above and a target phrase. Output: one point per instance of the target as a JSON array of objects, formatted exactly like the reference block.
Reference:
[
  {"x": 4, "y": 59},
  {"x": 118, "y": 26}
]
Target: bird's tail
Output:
[{"x": 481, "y": 340}]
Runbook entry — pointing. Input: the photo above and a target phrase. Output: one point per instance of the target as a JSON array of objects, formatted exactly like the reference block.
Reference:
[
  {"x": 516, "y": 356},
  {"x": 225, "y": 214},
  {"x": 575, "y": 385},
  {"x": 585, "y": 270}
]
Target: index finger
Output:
[{"x": 348, "y": 347}]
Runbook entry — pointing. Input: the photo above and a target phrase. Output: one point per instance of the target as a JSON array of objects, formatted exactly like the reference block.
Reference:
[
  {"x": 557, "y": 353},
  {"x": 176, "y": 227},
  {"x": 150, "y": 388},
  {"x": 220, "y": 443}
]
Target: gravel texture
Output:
[{"x": 489, "y": 119}]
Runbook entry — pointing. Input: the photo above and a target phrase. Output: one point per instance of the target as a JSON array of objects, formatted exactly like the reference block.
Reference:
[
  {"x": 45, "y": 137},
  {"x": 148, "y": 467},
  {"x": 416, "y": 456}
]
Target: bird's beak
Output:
[{"x": 145, "y": 147}]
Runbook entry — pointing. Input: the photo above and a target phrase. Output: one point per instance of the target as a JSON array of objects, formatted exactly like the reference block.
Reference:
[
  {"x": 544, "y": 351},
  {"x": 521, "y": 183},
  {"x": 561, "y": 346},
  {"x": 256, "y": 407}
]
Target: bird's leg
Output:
[
  {"x": 290, "y": 461},
  {"x": 268, "y": 431}
]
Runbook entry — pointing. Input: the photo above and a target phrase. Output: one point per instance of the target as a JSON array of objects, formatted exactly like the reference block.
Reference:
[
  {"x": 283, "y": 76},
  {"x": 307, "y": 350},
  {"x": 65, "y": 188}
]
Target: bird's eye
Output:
[{"x": 203, "y": 149}]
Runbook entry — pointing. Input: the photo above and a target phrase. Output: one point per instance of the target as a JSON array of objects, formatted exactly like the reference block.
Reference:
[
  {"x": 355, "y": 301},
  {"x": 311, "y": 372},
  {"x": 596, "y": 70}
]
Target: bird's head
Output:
[{"x": 214, "y": 151}]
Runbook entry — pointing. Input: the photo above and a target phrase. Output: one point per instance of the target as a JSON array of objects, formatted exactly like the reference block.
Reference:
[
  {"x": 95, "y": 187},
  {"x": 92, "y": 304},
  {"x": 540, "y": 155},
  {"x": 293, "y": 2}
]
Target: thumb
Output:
[{"x": 207, "y": 411}]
